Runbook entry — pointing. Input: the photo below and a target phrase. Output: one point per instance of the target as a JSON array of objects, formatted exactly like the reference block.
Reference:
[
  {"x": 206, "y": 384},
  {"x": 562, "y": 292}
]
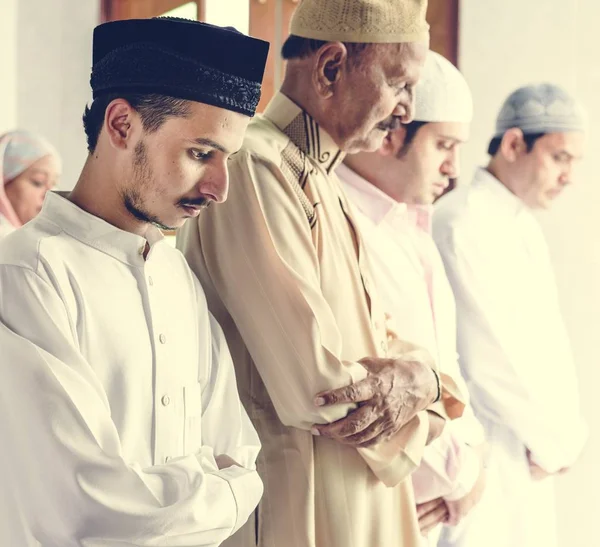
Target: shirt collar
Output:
[
  {"x": 502, "y": 196},
  {"x": 304, "y": 132},
  {"x": 380, "y": 207},
  {"x": 97, "y": 233}
]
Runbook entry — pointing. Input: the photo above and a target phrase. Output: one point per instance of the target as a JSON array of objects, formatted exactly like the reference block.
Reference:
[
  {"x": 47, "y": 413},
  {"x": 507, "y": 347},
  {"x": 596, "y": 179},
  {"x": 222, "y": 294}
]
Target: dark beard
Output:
[{"x": 132, "y": 198}]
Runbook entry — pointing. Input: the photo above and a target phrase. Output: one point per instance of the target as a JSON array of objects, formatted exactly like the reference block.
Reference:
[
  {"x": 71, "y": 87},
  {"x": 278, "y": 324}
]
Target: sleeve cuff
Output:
[
  {"x": 246, "y": 488},
  {"x": 469, "y": 469}
]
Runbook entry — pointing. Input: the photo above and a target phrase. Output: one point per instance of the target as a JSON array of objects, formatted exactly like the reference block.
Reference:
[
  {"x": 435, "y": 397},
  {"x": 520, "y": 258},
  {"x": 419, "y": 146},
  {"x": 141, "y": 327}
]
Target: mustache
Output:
[
  {"x": 390, "y": 124},
  {"x": 201, "y": 203}
]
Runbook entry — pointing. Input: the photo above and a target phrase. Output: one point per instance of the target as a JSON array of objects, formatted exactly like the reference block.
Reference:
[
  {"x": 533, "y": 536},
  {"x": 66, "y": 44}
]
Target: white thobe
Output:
[
  {"x": 409, "y": 276},
  {"x": 118, "y": 393},
  {"x": 5, "y": 226},
  {"x": 515, "y": 357}
]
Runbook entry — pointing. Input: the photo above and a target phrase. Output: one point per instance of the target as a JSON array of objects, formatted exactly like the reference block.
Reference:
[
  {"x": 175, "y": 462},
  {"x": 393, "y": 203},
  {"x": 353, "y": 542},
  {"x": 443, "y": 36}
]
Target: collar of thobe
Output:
[
  {"x": 97, "y": 233},
  {"x": 381, "y": 208},
  {"x": 304, "y": 132},
  {"x": 502, "y": 196}
]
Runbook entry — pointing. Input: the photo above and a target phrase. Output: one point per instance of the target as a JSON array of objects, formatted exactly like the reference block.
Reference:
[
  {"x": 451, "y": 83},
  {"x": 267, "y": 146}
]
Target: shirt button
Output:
[
  {"x": 163, "y": 339},
  {"x": 166, "y": 400},
  {"x": 383, "y": 345},
  {"x": 167, "y": 459},
  {"x": 150, "y": 281}
]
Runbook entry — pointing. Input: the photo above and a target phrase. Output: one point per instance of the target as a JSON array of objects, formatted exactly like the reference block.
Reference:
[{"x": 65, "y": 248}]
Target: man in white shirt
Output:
[
  {"x": 514, "y": 349},
  {"x": 393, "y": 190},
  {"x": 121, "y": 423}
]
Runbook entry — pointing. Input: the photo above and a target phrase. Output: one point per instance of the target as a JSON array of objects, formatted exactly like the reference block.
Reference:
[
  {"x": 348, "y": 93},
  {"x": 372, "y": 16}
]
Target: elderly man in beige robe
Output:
[{"x": 343, "y": 408}]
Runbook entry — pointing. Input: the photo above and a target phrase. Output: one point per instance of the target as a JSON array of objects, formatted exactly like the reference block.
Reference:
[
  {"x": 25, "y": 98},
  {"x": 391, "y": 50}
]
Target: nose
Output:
[
  {"x": 565, "y": 177},
  {"x": 405, "y": 109},
  {"x": 215, "y": 184},
  {"x": 451, "y": 167}
]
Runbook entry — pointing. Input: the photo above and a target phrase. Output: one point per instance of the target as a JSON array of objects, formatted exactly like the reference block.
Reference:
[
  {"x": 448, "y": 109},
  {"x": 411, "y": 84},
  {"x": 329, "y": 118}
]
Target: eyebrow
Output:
[
  {"x": 449, "y": 138},
  {"x": 212, "y": 144},
  {"x": 566, "y": 153},
  {"x": 40, "y": 172}
]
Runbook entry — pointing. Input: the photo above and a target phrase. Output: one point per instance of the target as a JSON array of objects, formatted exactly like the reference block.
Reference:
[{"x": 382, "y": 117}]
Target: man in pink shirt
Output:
[{"x": 393, "y": 190}]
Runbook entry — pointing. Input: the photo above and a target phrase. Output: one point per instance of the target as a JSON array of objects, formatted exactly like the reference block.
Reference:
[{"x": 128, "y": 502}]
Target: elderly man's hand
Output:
[{"x": 392, "y": 394}]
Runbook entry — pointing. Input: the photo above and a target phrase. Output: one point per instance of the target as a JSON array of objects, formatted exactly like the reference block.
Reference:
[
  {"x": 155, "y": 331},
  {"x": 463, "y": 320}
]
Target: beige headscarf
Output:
[{"x": 361, "y": 21}]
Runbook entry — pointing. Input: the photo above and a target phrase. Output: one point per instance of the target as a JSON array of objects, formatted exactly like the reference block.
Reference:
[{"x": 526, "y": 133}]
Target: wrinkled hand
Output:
[
  {"x": 459, "y": 509},
  {"x": 431, "y": 514},
  {"x": 388, "y": 398},
  {"x": 436, "y": 426}
]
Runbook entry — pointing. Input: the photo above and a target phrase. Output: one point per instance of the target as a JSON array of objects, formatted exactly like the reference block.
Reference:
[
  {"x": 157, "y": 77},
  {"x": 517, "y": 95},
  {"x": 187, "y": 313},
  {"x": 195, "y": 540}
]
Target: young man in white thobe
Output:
[
  {"x": 393, "y": 190},
  {"x": 121, "y": 423},
  {"x": 513, "y": 346}
]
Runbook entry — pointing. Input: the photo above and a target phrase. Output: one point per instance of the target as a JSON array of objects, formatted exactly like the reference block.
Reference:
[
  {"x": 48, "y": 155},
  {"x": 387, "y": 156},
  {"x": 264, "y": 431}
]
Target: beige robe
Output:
[{"x": 286, "y": 276}]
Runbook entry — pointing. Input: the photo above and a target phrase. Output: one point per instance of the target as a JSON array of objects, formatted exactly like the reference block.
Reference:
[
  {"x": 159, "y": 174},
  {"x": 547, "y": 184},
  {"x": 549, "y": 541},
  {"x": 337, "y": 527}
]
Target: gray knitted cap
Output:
[{"x": 541, "y": 108}]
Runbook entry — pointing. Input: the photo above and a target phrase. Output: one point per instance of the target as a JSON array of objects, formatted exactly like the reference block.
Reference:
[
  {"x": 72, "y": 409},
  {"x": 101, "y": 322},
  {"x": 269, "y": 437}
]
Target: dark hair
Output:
[
  {"x": 530, "y": 141},
  {"x": 296, "y": 47},
  {"x": 153, "y": 109},
  {"x": 410, "y": 132}
]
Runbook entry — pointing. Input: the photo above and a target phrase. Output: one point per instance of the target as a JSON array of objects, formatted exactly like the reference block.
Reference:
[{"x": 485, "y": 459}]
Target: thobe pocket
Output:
[{"x": 192, "y": 437}]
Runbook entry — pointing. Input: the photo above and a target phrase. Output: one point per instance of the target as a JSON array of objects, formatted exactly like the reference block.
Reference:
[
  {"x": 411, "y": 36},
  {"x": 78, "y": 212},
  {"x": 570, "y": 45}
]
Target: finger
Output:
[
  {"x": 374, "y": 433},
  {"x": 433, "y": 518},
  {"x": 354, "y": 393},
  {"x": 354, "y": 423},
  {"x": 427, "y": 507}
]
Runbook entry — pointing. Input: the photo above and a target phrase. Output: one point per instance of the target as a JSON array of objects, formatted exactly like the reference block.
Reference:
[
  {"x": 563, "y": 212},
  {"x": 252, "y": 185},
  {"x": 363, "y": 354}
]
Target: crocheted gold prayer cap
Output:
[{"x": 361, "y": 21}]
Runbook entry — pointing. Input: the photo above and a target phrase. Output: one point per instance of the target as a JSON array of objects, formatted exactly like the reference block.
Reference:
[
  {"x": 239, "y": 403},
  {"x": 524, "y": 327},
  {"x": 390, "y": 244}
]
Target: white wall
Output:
[
  {"x": 8, "y": 64},
  {"x": 504, "y": 45},
  {"x": 54, "y": 53}
]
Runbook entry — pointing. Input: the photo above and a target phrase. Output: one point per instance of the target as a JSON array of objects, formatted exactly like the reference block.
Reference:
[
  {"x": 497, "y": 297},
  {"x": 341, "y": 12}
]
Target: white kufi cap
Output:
[{"x": 442, "y": 94}]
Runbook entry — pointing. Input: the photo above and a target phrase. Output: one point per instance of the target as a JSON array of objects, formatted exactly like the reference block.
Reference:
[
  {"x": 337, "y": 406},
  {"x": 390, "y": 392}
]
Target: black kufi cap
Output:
[{"x": 179, "y": 58}]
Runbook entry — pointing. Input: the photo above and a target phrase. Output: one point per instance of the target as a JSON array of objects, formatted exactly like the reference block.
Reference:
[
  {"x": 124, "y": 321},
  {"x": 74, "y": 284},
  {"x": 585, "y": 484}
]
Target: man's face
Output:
[
  {"x": 378, "y": 94},
  {"x": 548, "y": 168},
  {"x": 182, "y": 167},
  {"x": 430, "y": 161}
]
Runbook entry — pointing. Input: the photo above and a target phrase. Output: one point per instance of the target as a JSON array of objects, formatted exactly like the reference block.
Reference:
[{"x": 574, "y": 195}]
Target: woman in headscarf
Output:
[{"x": 29, "y": 167}]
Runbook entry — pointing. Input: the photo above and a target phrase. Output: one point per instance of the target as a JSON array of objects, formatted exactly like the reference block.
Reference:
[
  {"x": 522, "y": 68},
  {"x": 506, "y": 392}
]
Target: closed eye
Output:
[
  {"x": 445, "y": 145},
  {"x": 199, "y": 155}
]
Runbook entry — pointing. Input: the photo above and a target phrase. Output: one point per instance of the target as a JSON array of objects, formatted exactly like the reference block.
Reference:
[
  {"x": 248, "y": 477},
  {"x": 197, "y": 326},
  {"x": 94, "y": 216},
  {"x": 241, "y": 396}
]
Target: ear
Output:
[
  {"x": 330, "y": 63},
  {"x": 393, "y": 142},
  {"x": 120, "y": 123},
  {"x": 513, "y": 144}
]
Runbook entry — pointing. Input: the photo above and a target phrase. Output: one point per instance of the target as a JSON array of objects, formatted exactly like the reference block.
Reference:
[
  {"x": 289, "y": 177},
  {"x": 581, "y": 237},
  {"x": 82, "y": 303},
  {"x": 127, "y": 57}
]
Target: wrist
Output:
[{"x": 437, "y": 391}]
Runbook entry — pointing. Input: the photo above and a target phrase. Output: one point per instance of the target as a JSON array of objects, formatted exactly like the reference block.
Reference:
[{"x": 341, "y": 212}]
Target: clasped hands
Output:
[{"x": 392, "y": 394}]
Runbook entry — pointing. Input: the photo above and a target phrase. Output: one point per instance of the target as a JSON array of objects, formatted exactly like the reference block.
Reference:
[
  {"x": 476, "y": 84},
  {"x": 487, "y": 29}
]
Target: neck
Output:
[
  {"x": 378, "y": 173},
  {"x": 96, "y": 192},
  {"x": 298, "y": 87},
  {"x": 500, "y": 171}
]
